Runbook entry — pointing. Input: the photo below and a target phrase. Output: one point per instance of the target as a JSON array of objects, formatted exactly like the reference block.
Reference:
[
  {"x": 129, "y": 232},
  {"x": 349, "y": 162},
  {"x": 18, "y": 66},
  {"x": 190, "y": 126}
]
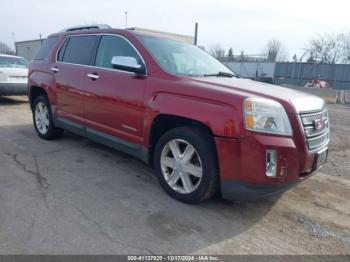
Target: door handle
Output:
[
  {"x": 93, "y": 76},
  {"x": 54, "y": 69}
]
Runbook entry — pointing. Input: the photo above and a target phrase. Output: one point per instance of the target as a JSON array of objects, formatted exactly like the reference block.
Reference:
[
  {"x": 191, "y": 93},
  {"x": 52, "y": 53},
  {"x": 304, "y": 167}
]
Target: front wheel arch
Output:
[{"x": 163, "y": 123}]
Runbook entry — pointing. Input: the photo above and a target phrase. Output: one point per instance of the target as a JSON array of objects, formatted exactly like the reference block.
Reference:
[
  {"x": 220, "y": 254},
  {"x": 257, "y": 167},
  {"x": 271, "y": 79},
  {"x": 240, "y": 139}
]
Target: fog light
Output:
[{"x": 271, "y": 163}]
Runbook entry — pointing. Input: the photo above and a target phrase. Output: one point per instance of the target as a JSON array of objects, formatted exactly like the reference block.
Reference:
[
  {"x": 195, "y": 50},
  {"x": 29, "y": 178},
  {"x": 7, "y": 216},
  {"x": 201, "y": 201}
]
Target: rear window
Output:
[
  {"x": 78, "y": 50},
  {"x": 13, "y": 62},
  {"x": 46, "y": 48}
]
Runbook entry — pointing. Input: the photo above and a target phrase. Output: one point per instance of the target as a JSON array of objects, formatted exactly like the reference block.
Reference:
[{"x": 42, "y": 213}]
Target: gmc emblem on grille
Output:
[{"x": 320, "y": 123}]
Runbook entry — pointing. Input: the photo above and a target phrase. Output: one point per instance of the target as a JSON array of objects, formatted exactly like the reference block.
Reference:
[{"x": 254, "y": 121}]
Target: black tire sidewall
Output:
[
  {"x": 52, "y": 131},
  {"x": 203, "y": 143}
]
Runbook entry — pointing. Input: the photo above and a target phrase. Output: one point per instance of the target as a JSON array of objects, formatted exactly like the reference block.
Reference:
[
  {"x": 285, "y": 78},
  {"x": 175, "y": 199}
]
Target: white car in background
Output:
[{"x": 13, "y": 75}]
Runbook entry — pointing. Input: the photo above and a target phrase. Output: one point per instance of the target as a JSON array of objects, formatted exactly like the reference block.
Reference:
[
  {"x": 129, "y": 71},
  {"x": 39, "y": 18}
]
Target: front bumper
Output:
[
  {"x": 13, "y": 89},
  {"x": 242, "y": 164},
  {"x": 239, "y": 190}
]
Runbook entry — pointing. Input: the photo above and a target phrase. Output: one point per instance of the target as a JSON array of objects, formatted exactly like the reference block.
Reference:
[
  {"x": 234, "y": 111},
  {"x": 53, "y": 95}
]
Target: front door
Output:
[{"x": 114, "y": 98}]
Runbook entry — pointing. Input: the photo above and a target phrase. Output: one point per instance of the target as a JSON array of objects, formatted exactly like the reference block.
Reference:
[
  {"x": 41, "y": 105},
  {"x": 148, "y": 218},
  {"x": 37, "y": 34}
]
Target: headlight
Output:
[{"x": 266, "y": 115}]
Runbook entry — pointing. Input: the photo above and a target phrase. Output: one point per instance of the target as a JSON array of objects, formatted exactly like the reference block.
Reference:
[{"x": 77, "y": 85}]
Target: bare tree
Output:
[
  {"x": 217, "y": 52},
  {"x": 230, "y": 56},
  {"x": 346, "y": 48},
  {"x": 275, "y": 51},
  {"x": 5, "y": 49},
  {"x": 330, "y": 48}
]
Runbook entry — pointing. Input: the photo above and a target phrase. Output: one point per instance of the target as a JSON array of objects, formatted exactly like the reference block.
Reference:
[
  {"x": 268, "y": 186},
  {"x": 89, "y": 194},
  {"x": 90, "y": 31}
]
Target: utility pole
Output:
[
  {"x": 195, "y": 33},
  {"x": 14, "y": 42},
  {"x": 126, "y": 19}
]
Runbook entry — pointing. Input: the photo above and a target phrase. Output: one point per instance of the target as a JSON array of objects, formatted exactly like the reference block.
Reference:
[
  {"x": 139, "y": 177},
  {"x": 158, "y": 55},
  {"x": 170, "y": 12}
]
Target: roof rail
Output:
[{"x": 85, "y": 27}]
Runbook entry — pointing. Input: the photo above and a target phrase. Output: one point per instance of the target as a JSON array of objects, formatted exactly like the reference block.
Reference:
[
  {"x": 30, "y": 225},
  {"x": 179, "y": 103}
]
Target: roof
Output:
[{"x": 133, "y": 30}]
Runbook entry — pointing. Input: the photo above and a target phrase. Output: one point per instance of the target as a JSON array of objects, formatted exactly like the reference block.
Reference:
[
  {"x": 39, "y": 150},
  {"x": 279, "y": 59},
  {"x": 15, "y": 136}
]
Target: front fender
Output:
[{"x": 223, "y": 120}]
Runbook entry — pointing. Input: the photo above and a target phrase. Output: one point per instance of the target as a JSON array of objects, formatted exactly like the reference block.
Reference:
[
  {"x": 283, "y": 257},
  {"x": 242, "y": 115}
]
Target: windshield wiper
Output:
[{"x": 223, "y": 74}]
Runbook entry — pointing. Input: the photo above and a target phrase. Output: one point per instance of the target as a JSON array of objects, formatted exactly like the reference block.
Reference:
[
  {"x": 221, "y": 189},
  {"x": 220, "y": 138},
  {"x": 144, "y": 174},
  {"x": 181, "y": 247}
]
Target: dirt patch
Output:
[{"x": 339, "y": 150}]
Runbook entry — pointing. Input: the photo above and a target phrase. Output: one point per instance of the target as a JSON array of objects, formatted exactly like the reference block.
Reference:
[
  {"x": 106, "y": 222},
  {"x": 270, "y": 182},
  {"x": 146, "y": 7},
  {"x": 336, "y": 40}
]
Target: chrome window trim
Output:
[{"x": 92, "y": 66}]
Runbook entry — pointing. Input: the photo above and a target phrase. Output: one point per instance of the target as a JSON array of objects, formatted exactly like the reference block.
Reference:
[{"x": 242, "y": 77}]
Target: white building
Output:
[{"x": 28, "y": 49}]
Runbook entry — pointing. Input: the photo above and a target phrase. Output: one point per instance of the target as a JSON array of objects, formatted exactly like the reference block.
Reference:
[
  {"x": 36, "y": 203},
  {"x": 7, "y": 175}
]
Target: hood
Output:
[{"x": 291, "y": 99}]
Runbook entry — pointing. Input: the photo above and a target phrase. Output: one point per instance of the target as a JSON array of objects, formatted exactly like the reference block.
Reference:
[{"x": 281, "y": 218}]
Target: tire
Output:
[
  {"x": 42, "y": 116},
  {"x": 188, "y": 179}
]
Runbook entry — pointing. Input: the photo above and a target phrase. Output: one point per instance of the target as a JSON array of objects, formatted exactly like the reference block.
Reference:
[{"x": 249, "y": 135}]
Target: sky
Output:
[{"x": 243, "y": 25}]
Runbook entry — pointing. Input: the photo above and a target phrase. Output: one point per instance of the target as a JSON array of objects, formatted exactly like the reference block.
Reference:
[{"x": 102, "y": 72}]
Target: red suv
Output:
[{"x": 172, "y": 105}]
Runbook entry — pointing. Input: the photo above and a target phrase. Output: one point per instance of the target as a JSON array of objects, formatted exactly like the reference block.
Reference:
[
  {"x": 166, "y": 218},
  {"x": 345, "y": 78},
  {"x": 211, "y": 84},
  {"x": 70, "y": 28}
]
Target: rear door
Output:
[{"x": 73, "y": 58}]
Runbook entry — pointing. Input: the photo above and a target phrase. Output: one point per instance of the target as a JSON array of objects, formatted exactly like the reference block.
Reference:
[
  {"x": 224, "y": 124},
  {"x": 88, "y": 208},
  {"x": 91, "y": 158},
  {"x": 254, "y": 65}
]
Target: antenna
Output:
[{"x": 126, "y": 19}]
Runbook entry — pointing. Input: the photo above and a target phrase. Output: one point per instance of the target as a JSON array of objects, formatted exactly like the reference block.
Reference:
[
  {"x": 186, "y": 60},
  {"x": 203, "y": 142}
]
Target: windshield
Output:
[
  {"x": 14, "y": 62},
  {"x": 182, "y": 59}
]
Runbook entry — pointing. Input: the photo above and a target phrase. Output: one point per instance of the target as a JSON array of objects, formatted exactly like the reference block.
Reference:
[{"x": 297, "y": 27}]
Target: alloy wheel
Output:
[
  {"x": 181, "y": 166},
  {"x": 42, "y": 118}
]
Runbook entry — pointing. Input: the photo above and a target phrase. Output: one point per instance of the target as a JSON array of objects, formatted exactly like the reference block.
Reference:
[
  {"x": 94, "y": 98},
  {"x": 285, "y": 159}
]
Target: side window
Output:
[
  {"x": 79, "y": 50},
  {"x": 62, "y": 50},
  {"x": 46, "y": 48},
  {"x": 113, "y": 46}
]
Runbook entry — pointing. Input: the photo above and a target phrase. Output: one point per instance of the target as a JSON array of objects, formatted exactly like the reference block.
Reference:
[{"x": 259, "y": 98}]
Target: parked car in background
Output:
[
  {"x": 174, "y": 106},
  {"x": 13, "y": 75},
  {"x": 316, "y": 83}
]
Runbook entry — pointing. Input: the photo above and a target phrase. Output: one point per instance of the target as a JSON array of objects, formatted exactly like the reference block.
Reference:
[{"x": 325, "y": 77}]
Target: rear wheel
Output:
[
  {"x": 43, "y": 121},
  {"x": 186, "y": 165}
]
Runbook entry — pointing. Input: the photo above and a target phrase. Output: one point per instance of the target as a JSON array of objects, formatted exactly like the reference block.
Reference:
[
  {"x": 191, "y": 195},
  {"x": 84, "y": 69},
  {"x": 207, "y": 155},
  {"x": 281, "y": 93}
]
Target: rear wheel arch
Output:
[
  {"x": 42, "y": 118},
  {"x": 35, "y": 92}
]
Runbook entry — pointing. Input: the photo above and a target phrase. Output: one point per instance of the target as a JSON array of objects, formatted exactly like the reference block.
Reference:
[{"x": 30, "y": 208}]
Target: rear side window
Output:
[
  {"x": 46, "y": 48},
  {"x": 78, "y": 50},
  {"x": 62, "y": 49}
]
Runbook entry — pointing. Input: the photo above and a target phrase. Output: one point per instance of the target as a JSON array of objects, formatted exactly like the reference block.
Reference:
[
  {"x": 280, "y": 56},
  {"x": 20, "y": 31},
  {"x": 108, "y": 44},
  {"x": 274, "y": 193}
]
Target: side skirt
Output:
[{"x": 129, "y": 148}]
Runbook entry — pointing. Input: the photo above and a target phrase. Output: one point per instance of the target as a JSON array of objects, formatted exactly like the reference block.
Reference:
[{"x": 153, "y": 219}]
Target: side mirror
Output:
[{"x": 128, "y": 63}]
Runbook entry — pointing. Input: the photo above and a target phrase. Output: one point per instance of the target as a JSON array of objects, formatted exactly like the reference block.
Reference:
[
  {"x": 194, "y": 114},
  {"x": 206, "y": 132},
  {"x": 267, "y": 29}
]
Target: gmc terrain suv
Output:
[{"x": 172, "y": 105}]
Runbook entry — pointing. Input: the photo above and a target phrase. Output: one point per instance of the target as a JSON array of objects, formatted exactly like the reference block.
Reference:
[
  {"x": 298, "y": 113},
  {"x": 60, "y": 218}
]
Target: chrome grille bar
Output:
[{"x": 316, "y": 129}]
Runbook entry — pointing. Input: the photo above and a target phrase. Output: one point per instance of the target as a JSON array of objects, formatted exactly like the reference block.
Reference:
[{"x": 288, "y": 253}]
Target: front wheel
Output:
[
  {"x": 186, "y": 164},
  {"x": 43, "y": 121}
]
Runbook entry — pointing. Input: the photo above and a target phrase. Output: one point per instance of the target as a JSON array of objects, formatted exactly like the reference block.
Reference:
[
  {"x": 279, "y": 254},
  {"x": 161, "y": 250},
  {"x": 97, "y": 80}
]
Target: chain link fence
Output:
[{"x": 297, "y": 75}]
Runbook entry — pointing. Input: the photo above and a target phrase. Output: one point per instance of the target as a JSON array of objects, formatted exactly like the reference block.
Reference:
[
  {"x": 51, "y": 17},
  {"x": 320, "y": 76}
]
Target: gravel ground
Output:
[
  {"x": 339, "y": 162},
  {"x": 73, "y": 196}
]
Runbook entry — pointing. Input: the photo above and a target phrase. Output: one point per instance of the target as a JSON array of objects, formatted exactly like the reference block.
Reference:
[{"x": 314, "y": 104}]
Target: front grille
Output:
[{"x": 316, "y": 129}]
